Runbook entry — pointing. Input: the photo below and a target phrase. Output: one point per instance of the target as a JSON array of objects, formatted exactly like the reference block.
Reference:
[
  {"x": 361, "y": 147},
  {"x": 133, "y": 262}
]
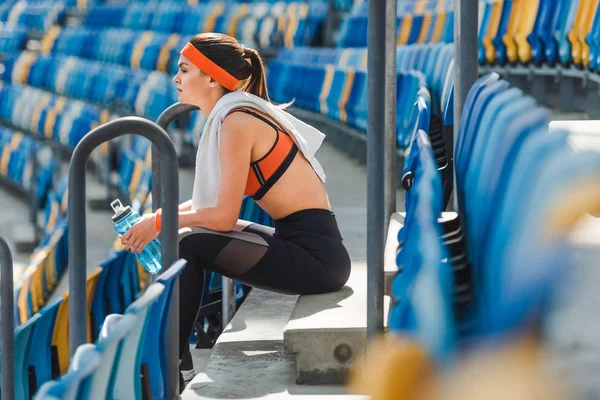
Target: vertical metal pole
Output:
[
  {"x": 375, "y": 167},
  {"x": 33, "y": 205},
  {"x": 465, "y": 60},
  {"x": 390, "y": 109},
  {"x": 228, "y": 303},
  {"x": 7, "y": 321}
]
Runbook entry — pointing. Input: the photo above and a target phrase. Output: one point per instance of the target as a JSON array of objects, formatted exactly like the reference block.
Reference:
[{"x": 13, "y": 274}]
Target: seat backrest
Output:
[
  {"x": 483, "y": 99},
  {"x": 497, "y": 41},
  {"x": 546, "y": 9},
  {"x": 109, "y": 346},
  {"x": 23, "y": 336},
  {"x": 85, "y": 360},
  {"x": 467, "y": 108},
  {"x": 127, "y": 384},
  {"x": 40, "y": 356},
  {"x": 154, "y": 356},
  {"x": 533, "y": 263},
  {"x": 60, "y": 336},
  {"x": 564, "y": 27}
]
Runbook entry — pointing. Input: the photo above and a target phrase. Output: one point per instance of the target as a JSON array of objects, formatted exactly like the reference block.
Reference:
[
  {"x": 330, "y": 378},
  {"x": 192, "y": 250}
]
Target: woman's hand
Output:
[{"x": 142, "y": 233}]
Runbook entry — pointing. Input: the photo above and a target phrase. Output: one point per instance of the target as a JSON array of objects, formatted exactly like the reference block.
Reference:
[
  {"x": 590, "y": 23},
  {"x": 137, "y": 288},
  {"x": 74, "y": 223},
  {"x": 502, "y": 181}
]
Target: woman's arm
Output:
[
  {"x": 185, "y": 206},
  {"x": 236, "y": 148}
]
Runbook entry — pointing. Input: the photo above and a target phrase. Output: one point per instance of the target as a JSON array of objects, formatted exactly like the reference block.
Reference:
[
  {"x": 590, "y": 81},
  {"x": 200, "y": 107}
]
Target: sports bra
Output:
[{"x": 267, "y": 170}]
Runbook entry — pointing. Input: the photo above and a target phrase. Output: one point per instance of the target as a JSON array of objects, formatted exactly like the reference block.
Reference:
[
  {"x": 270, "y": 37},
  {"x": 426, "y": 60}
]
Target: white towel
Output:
[{"x": 208, "y": 166}]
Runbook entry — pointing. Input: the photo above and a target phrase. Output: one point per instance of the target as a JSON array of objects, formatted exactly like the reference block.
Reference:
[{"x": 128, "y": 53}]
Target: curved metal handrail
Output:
[
  {"x": 7, "y": 320},
  {"x": 77, "y": 227}
]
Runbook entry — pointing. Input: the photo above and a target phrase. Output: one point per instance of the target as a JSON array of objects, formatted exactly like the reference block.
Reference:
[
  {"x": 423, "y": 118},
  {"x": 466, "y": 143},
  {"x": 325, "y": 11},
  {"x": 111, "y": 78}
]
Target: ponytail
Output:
[{"x": 256, "y": 84}]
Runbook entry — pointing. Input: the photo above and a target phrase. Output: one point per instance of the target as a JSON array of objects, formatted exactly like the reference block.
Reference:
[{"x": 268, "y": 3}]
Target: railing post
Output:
[
  {"x": 465, "y": 60},
  {"x": 390, "y": 109},
  {"x": 77, "y": 226},
  {"x": 376, "y": 217},
  {"x": 7, "y": 321}
]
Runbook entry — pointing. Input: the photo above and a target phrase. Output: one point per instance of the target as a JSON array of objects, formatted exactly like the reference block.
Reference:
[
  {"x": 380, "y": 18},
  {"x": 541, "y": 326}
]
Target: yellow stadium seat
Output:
[
  {"x": 581, "y": 27},
  {"x": 526, "y": 22},
  {"x": 241, "y": 12},
  {"x": 165, "y": 52},
  {"x": 349, "y": 81},
  {"x": 49, "y": 39},
  {"x": 37, "y": 111},
  {"x": 22, "y": 301},
  {"x": 326, "y": 88},
  {"x": 58, "y": 107},
  {"x": 513, "y": 24},
  {"x": 490, "y": 50},
  {"x": 406, "y": 22},
  {"x": 60, "y": 336},
  {"x": 211, "y": 20},
  {"x": 90, "y": 287},
  {"x": 438, "y": 28},
  {"x": 139, "y": 48},
  {"x": 425, "y": 27}
]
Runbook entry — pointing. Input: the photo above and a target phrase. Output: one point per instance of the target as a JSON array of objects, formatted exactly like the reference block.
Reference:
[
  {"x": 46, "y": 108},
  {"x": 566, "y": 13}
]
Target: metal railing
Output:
[
  {"x": 77, "y": 229},
  {"x": 7, "y": 320},
  {"x": 177, "y": 110},
  {"x": 381, "y": 18}
]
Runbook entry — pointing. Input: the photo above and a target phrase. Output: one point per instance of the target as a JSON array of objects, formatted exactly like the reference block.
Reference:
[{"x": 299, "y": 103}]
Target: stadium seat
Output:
[
  {"x": 423, "y": 274},
  {"x": 536, "y": 39},
  {"x": 22, "y": 352},
  {"x": 567, "y": 19},
  {"x": 154, "y": 353},
  {"x": 116, "y": 328},
  {"x": 581, "y": 26},
  {"x": 128, "y": 366},
  {"x": 43, "y": 355},
  {"x": 60, "y": 336},
  {"x": 85, "y": 361},
  {"x": 529, "y": 12}
]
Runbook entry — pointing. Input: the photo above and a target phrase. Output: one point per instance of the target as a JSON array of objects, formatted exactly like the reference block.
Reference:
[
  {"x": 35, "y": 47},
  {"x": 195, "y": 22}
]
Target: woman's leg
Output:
[
  {"x": 227, "y": 253},
  {"x": 256, "y": 258}
]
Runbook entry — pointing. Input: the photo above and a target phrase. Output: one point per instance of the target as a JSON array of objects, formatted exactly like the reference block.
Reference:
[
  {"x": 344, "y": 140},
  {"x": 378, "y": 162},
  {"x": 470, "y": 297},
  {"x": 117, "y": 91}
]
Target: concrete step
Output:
[
  {"x": 326, "y": 332},
  {"x": 249, "y": 360}
]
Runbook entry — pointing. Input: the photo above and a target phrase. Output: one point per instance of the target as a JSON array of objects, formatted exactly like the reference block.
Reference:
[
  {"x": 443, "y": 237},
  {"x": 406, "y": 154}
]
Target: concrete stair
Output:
[
  {"x": 326, "y": 332},
  {"x": 250, "y": 359}
]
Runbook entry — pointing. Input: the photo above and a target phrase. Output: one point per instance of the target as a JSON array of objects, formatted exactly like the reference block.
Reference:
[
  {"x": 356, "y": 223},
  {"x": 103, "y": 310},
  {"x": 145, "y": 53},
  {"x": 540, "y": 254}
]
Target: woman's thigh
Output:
[{"x": 255, "y": 257}]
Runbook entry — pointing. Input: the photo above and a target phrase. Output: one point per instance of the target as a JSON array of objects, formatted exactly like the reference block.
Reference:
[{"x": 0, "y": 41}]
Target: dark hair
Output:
[{"x": 228, "y": 54}]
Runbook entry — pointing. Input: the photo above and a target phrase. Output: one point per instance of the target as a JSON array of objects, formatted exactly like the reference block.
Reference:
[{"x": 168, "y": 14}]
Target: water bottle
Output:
[{"x": 124, "y": 219}]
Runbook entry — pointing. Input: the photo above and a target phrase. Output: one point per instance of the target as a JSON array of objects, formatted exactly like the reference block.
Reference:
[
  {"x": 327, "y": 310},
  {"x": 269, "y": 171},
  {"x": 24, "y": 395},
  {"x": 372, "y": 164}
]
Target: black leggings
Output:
[{"x": 304, "y": 254}]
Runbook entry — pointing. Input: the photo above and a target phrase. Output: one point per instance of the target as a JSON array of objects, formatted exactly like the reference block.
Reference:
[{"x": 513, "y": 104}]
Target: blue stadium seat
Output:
[
  {"x": 545, "y": 15},
  {"x": 473, "y": 120},
  {"x": 68, "y": 387},
  {"x": 22, "y": 352},
  {"x": 422, "y": 274},
  {"x": 154, "y": 357},
  {"x": 116, "y": 328},
  {"x": 502, "y": 29},
  {"x": 41, "y": 354},
  {"x": 128, "y": 365}
]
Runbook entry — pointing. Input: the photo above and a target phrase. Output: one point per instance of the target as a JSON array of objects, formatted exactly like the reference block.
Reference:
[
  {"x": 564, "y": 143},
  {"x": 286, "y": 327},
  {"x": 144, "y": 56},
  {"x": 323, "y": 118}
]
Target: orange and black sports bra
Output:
[{"x": 267, "y": 170}]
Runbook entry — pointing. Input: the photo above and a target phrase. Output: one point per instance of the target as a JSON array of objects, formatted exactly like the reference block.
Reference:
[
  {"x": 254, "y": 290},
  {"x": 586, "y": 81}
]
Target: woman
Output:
[{"x": 304, "y": 254}]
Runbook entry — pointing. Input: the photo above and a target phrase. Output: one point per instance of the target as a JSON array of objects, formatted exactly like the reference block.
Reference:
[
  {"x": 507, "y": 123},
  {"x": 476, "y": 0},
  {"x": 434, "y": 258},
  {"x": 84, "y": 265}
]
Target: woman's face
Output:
[{"x": 192, "y": 84}]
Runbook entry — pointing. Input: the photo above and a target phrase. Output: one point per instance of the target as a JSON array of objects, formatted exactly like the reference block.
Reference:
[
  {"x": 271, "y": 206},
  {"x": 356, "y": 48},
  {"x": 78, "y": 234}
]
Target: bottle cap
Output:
[{"x": 120, "y": 211}]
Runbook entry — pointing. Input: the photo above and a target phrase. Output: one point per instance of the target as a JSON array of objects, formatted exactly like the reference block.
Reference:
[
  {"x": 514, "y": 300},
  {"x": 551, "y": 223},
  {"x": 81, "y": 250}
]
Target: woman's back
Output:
[{"x": 298, "y": 188}]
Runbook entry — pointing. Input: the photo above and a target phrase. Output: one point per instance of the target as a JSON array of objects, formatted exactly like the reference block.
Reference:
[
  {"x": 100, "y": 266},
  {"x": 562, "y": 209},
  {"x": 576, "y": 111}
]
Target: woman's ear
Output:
[{"x": 212, "y": 83}]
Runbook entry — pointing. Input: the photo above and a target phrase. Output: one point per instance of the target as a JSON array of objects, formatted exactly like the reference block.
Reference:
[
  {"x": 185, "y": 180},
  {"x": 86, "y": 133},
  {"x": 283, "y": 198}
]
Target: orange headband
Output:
[{"x": 211, "y": 69}]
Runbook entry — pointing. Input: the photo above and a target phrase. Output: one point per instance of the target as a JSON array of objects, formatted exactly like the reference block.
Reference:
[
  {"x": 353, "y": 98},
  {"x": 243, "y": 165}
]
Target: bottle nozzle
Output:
[{"x": 116, "y": 205}]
